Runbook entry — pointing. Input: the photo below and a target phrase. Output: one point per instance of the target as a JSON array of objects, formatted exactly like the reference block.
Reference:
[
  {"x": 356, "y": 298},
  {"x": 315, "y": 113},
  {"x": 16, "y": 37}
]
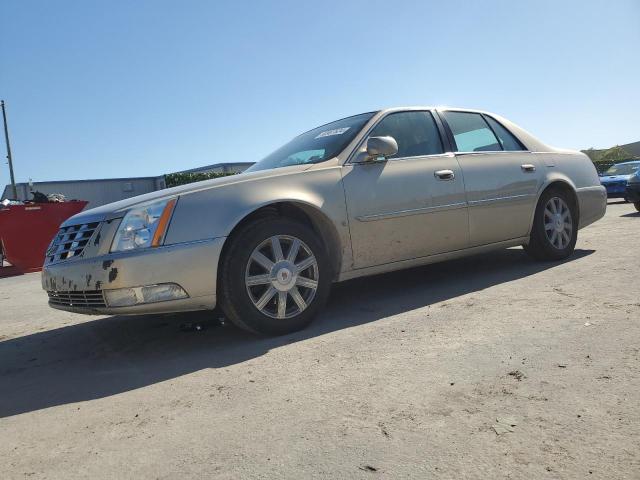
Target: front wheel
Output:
[
  {"x": 555, "y": 226},
  {"x": 275, "y": 277}
]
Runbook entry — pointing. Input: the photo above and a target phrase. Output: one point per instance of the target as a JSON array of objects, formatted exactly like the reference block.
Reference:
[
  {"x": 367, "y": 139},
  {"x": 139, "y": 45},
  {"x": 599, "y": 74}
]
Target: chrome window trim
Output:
[
  {"x": 494, "y": 152},
  {"x": 404, "y": 159}
]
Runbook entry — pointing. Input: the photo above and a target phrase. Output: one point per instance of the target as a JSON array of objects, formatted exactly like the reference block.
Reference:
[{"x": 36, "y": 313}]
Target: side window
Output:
[
  {"x": 471, "y": 132},
  {"x": 507, "y": 140},
  {"x": 415, "y": 132}
]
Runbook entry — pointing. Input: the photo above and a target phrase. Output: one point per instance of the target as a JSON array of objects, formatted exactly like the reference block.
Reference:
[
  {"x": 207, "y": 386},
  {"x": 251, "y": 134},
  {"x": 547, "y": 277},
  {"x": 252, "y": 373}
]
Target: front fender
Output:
[{"x": 214, "y": 212}]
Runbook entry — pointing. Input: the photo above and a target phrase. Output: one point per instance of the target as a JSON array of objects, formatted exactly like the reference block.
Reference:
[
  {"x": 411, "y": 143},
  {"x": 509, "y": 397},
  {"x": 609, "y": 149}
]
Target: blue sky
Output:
[{"x": 119, "y": 88}]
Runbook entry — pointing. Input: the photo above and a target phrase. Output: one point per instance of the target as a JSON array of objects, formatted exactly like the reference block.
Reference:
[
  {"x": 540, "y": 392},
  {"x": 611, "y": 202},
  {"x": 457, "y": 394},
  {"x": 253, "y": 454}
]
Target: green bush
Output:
[
  {"x": 603, "y": 159},
  {"x": 175, "y": 179}
]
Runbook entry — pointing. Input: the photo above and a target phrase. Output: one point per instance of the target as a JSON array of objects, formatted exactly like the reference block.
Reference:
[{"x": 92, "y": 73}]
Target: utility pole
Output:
[{"x": 6, "y": 138}]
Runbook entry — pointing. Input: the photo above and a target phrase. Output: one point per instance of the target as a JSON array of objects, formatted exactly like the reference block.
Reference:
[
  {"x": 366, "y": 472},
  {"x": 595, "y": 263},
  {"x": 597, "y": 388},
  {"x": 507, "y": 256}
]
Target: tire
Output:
[
  {"x": 637, "y": 205},
  {"x": 549, "y": 239},
  {"x": 246, "y": 281}
]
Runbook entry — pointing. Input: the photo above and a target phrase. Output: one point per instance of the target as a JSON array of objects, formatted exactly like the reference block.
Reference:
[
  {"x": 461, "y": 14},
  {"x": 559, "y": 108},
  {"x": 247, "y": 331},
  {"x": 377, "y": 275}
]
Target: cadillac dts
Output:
[{"x": 364, "y": 195}]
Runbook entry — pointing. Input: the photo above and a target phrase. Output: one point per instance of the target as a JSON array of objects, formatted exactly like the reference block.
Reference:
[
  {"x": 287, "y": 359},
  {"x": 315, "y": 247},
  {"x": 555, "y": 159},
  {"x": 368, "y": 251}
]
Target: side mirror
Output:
[{"x": 381, "y": 147}]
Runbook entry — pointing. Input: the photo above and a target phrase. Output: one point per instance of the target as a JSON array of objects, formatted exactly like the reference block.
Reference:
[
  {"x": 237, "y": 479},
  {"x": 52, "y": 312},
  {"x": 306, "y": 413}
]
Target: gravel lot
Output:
[{"x": 488, "y": 367}]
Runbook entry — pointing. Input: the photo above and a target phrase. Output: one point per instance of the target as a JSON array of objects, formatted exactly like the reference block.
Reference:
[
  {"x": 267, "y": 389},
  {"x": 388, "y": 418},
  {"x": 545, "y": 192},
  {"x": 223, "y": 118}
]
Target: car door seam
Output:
[{"x": 347, "y": 212}]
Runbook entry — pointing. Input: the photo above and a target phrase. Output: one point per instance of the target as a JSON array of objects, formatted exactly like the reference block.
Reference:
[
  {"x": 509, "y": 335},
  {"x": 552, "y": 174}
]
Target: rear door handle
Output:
[
  {"x": 444, "y": 174},
  {"x": 527, "y": 167}
]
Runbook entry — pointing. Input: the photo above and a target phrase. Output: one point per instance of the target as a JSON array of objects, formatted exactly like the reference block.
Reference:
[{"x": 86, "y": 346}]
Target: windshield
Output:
[
  {"x": 623, "y": 169},
  {"x": 316, "y": 145}
]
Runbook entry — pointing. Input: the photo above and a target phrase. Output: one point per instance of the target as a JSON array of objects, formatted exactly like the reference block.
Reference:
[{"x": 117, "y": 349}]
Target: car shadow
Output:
[
  {"x": 106, "y": 356},
  {"x": 632, "y": 214}
]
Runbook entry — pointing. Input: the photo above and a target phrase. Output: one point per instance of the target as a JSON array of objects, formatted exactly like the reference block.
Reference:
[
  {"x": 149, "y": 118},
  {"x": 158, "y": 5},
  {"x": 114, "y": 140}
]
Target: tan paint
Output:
[{"x": 384, "y": 215}]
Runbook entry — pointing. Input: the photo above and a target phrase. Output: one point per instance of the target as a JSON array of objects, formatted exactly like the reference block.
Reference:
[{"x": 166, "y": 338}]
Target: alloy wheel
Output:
[
  {"x": 281, "y": 276},
  {"x": 558, "y": 224}
]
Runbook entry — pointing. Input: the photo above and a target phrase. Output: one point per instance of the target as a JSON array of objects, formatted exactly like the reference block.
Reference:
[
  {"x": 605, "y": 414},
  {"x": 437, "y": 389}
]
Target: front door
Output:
[
  {"x": 413, "y": 203},
  {"x": 501, "y": 177}
]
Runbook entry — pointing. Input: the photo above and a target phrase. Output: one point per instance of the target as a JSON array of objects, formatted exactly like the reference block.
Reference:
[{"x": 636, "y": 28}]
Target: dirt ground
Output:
[{"x": 489, "y": 367}]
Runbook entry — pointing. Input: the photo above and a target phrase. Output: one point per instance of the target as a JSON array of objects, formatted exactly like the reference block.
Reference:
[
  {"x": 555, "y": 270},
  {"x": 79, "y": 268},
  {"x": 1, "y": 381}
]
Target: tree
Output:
[
  {"x": 603, "y": 159},
  {"x": 175, "y": 179}
]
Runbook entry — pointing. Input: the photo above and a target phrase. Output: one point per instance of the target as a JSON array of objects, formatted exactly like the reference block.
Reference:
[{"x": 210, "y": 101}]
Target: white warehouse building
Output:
[
  {"x": 96, "y": 192},
  {"x": 102, "y": 191}
]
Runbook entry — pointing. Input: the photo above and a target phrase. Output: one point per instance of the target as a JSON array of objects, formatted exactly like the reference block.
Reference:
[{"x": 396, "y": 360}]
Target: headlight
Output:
[{"x": 144, "y": 226}]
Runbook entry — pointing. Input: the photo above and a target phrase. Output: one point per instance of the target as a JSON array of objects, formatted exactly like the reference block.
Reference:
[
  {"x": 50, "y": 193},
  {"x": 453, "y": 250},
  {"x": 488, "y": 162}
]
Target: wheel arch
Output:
[
  {"x": 300, "y": 211},
  {"x": 564, "y": 184}
]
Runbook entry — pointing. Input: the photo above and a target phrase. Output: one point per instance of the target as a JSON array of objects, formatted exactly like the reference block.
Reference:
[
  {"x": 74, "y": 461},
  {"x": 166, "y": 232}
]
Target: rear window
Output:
[
  {"x": 507, "y": 140},
  {"x": 471, "y": 132}
]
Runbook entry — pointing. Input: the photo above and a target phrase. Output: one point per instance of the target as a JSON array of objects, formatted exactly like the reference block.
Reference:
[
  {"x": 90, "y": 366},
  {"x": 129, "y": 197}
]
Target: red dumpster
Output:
[{"x": 26, "y": 231}]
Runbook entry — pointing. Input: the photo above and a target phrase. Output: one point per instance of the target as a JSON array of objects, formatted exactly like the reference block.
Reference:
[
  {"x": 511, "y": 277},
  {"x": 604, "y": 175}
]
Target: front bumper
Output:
[
  {"x": 191, "y": 265},
  {"x": 633, "y": 192}
]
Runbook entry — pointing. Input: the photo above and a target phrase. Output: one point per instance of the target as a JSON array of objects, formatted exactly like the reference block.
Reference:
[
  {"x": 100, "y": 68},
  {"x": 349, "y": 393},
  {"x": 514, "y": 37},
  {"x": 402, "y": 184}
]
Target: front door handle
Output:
[
  {"x": 527, "y": 167},
  {"x": 444, "y": 174}
]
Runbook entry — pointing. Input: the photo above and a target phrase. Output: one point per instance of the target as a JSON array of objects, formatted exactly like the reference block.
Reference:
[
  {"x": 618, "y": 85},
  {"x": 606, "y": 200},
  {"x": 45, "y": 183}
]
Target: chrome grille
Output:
[
  {"x": 78, "y": 299},
  {"x": 70, "y": 241}
]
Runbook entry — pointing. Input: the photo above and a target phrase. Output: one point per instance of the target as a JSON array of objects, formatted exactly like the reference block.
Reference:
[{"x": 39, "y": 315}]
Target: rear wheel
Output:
[
  {"x": 555, "y": 226},
  {"x": 275, "y": 277}
]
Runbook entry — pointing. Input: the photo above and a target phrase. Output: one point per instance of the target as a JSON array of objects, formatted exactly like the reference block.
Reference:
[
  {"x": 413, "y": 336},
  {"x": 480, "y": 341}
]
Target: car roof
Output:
[
  {"x": 530, "y": 142},
  {"x": 430, "y": 107}
]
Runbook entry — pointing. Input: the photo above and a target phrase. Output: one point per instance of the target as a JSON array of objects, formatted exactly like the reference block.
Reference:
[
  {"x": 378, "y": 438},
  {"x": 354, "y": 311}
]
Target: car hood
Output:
[
  {"x": 615, "y": 178},
  {"x": 118, "y": 209}
]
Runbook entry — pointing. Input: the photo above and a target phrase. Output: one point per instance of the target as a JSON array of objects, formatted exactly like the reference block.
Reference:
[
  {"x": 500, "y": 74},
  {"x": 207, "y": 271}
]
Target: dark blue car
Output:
[{"x": 616, "y": 177}]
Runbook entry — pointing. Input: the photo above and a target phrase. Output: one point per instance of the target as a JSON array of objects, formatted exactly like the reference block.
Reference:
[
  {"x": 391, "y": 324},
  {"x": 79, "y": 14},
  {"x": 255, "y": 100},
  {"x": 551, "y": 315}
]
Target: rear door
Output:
[
  {"x": 501, "y": 177},
  {"x": 411, "y": 204}
]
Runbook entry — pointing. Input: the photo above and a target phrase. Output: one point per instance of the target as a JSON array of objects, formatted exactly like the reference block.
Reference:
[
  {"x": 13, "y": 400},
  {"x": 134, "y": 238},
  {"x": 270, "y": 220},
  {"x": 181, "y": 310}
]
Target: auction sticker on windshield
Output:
[{"x": 335, "y": 131}]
